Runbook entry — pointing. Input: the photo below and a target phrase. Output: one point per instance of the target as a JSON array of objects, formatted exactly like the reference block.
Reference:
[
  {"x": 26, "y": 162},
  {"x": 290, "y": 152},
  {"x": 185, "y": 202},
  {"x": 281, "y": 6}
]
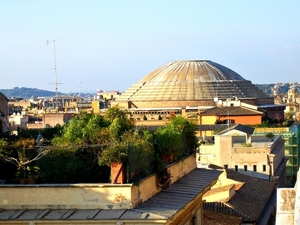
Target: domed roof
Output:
[
  {"x": 191, "y": 80},
  {"x": 191, "y": 71}
]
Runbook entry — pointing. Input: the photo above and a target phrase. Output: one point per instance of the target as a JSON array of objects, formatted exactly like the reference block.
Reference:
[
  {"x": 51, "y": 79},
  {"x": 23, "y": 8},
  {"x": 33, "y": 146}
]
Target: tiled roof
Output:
[
  {"x": 179, "y": 193},
  {"x": 252, "y": 198},
  {"x": 232, "y": 111},
  {"x": 221, "y": 207},
  {"x": 213, "y": 218},
  {"x": 161, "y": 206}
]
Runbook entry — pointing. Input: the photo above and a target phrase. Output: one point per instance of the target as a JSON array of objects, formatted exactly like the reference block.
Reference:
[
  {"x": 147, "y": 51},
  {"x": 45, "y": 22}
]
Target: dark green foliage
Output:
[
  {"x": 81, "y": 150},
  {"x": 190, "y": 141},
  {"x": 269, "y": 135},
  {"x": 133, "y": 148},
  {"x": 68, "y": 166},
  {"x": 169, "y": 140},
  {"x": 51, "y": 132},
  {"x": 178, "y": 138}
]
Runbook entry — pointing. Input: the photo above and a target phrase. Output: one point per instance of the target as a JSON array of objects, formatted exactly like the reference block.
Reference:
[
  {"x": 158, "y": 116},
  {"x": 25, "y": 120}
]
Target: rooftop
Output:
[{"x": 158, "y": 207}]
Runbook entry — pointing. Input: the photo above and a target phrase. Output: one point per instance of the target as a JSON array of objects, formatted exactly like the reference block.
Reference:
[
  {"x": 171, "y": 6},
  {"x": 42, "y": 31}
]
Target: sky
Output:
[{"x": 110, "y": 45}]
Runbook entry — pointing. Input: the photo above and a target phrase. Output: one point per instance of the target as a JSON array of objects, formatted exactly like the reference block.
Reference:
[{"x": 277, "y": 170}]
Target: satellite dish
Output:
[{"x": 216, "y": 99}]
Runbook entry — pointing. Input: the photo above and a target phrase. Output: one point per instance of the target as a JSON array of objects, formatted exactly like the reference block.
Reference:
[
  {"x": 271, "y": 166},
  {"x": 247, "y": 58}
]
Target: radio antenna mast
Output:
[{"x": 55, "y": 75}]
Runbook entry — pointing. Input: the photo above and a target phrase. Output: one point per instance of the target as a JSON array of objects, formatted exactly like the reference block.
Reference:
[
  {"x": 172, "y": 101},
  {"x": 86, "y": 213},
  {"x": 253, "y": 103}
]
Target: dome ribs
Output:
[{"x": 190, "y": 82}]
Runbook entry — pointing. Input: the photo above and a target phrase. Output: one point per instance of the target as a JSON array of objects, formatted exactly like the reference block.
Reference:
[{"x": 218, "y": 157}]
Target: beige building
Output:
[
  {"x": 237, "y": 149},
  {"x": 18, "y": 120}
]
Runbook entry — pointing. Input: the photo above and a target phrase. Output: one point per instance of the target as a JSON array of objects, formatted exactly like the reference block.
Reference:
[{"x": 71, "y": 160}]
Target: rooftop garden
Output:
[{"x": 82, "y": 150}]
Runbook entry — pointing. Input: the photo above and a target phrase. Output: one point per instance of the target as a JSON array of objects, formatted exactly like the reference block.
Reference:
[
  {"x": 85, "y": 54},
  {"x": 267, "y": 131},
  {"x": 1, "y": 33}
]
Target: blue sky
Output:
[{"x": 110, "y": 45}]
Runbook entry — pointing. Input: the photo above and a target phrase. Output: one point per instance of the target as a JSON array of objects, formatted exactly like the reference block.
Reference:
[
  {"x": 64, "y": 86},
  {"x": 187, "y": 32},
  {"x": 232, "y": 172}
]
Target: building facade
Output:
[{"x": 252, "y": 155}]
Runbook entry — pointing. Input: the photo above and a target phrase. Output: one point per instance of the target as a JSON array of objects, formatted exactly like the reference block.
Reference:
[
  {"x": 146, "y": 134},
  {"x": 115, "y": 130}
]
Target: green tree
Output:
[
  {"x": 188, "y": 130},
  {"x": 169, "y": 141},
  {"x": 80, "y": 144},
  {"x": 120, "y": 120}
]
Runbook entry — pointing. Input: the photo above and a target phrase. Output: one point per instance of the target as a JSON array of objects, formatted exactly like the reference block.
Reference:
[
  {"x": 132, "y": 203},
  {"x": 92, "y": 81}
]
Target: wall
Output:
[
  {"x": 147, "y": 187},
  {"x": 226, "y": 151},
  {"x": 288, "y": 204},
  {"x": 81, "y": 196},
  {"x": 207, "y": 120},
  {"x": 257, "y": 119},
  {"x": 88, "y": 196}
]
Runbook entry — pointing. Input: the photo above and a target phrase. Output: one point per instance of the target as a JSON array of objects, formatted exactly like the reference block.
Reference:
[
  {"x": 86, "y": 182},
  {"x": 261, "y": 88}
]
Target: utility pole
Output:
[{"x": 55, "y": 76}]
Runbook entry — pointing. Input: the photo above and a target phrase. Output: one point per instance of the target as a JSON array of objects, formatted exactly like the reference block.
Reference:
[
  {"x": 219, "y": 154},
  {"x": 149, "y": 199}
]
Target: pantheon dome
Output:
[{"x": 190, "y": 83}]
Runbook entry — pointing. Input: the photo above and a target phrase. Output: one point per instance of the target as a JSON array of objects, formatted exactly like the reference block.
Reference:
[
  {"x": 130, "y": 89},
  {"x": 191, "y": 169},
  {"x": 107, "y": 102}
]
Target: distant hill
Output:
[
  {"x": 282, "y": 88},
  {"x": 27, "y": 93}
]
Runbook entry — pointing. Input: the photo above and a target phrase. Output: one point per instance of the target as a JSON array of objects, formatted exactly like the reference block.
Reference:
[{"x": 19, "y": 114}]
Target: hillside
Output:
[{"x": 26, "y": 92}]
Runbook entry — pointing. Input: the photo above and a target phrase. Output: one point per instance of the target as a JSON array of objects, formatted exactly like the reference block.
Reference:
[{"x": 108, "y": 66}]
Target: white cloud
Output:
[{"x": 290, "y": 47}]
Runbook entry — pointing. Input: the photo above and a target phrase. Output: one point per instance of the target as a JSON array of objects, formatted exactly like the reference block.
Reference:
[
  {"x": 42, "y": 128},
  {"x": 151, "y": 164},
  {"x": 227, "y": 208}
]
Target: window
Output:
[
  {"x": 254, "y": 168},
  {"x": 245, "y": 167},
  {"x": 236, "y": 168},
  {"x": 264, "y": 168},
  {"x": 225, "y": 166}
]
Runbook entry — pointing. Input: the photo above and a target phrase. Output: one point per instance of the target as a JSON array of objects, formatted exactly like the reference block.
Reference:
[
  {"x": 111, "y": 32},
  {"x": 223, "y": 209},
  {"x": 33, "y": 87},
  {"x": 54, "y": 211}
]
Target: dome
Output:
[{"x": 190, "y": 83}]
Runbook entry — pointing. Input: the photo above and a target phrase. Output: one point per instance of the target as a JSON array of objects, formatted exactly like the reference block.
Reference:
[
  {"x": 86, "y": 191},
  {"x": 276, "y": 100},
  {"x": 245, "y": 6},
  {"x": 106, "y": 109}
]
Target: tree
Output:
[
  {"x": 188, "y": 129},
  {"x": 169, "y": 141},
  {"x": 81, "y": 142},
  {"x": 120, "y": 120},
  {"x": 22, "y": 153}
]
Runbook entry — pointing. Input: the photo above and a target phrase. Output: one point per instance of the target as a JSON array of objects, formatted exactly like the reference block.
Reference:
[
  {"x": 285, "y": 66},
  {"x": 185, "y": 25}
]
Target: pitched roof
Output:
[
  {"x": 181, "y": 192},
  {"x": 212, "y": 218},
  {"x": 252, "y": 198},
  {"x": 232, "y": 111},
  {"x": 239, "y": 127},
  {"x": 221, "y": 207}
]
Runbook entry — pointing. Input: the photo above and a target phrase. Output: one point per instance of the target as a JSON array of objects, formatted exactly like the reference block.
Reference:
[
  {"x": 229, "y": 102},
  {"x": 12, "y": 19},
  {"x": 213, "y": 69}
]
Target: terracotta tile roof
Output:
[
  {"x": 233, "y": 111},
  {"x": 213, "y": 218}
]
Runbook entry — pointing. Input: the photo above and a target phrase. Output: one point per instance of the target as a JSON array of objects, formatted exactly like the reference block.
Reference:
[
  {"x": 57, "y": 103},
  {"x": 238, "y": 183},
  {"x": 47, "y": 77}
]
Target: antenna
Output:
[
  {"x": 79, "y": 95},
  {"x": 55, "y": 74}
]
